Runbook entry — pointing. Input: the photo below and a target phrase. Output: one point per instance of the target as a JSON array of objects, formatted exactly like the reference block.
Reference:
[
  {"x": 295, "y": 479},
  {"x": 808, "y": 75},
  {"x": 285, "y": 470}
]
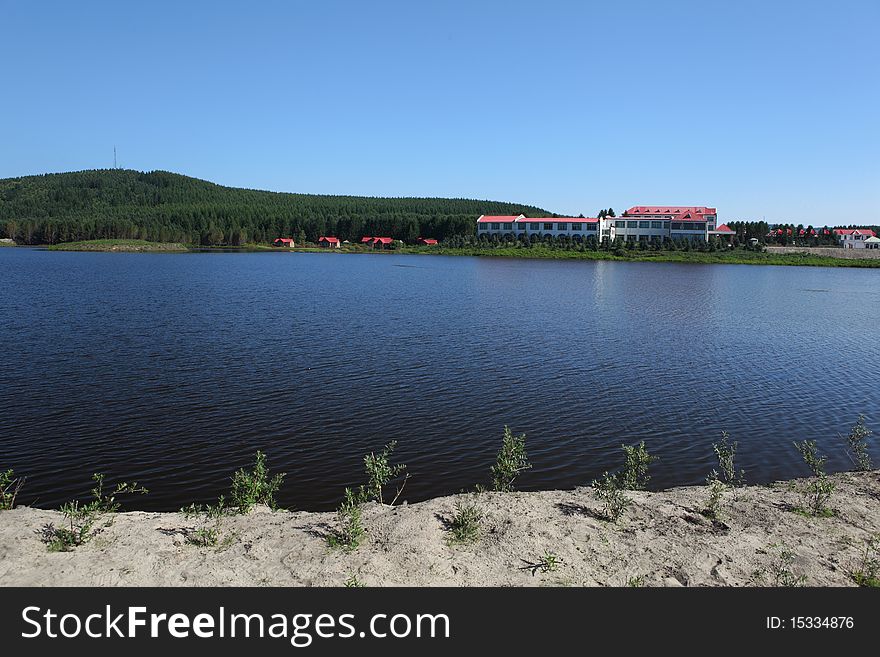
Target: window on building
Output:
[
  {"x": 656, "y": 224},
  {"x": 508, "y": 226},
  {"x": 548, "y": 226},
  {"x": 484, "y": 226},
  {"x": 534, "y": 226},
  {"x": 644, "y": 224},
  {"x": 561, "y": 225},
  {"x": 575, "y": 226},
  {"x": 496, "y": 225},
  {"x": 632, "y": 224},
  {"x": 620, "y": 224},
  {"x": 520, "y": 226},
  {"x": 676, "y": 225},
  {"x": 698, "y": 226}
]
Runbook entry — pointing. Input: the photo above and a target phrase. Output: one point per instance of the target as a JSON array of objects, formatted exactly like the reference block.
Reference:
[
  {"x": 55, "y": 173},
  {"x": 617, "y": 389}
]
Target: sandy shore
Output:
[{"x": 663, "y": 540}]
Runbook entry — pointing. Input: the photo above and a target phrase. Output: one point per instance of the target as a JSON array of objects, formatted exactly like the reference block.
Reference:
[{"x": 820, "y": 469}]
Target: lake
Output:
[{"x": 172, "y": 369}]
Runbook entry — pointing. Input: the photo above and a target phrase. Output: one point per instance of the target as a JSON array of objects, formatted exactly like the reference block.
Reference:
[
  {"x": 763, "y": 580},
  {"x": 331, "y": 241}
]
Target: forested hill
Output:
[{"x": 168, "y": 207}]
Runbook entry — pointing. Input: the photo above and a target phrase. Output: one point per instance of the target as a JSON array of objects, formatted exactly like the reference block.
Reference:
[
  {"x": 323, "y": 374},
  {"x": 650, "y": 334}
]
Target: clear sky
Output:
[{"x": 763, "y": 109}]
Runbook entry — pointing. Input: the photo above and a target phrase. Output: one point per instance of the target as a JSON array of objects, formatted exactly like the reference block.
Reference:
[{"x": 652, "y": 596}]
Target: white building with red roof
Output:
[
  {"x": 651, "y": 222},
  {"x": 854, "y": 238},
  {"x": 575, "y": 227},
  {"x": 639, "y": 223}
]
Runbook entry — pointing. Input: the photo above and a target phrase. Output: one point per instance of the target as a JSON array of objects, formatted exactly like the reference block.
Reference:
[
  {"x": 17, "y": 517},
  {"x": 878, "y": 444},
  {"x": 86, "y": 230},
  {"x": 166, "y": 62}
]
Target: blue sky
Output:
[{"x": 763, "y": 109}]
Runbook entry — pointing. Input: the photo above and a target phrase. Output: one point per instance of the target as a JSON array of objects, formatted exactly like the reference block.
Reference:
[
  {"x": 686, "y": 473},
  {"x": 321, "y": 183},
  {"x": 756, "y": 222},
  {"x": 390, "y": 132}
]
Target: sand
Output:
[{"x": 662, "y": 540}]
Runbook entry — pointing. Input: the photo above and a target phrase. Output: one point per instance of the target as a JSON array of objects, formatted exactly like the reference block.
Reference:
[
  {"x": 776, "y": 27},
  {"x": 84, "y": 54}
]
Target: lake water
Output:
[{"x": 172, "y": 369}]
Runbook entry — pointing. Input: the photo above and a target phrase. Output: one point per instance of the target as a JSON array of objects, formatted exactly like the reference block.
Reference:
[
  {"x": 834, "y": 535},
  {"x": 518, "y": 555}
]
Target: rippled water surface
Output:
[{"x": 173, "y": 369}]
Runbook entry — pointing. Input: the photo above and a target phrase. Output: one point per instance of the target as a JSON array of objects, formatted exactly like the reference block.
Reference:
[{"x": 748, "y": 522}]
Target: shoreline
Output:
[
  {"x": 773, "y": 256},
  {"x": 663, "y": 539}
]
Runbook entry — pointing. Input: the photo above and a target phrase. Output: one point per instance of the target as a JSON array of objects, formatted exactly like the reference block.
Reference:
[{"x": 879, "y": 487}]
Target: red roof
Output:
[
  {"x": 850, "y": 231},
  {"x": 332, "y": 240},
  {"x": 426, "y": 240},
  {"x": 723, "y": 228},
  {"x": 285, "y": 240},
  {"x": 366, "y": 239},
  {"x": 499, "y": 218},
  {"x": 678, "y": 212},
  {"x": 382, "y": 240}
]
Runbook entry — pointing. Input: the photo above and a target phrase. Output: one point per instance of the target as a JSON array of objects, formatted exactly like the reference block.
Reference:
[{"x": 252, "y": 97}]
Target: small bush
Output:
[
  {"x": 636, "y": 581},
  {"x": 512, "y": 459},
  {"x": 634, "y": 475},
  {"x": 209, "y": 527},
  {"x": 781, "y": 570},
  {"x": 817, "y": 493},
  {"x": 80, "y": 519},
  {"x": 611, "y": 493},
  {"x": 380, "y": 472},
  {"x": 465, "y": 524},
  {"x": 253, "y": 487},
  {"x": 549, "y": 562},
  {"x": 717, "y": 489},
  {"x": 353, "y": 582},
  {"x": 867, "y": 573},
  {"x": 350, "y": 531},
  {"x": 725, "y": 451},
  {"x": 857, "y": 445},
  {"x": 9, "y": 487}
]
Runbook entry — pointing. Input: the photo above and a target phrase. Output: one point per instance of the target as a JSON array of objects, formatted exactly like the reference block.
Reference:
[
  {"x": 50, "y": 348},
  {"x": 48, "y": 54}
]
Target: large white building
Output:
[
  {"x": 639, "y": 223},
  {"x": 576, "y": 227}
]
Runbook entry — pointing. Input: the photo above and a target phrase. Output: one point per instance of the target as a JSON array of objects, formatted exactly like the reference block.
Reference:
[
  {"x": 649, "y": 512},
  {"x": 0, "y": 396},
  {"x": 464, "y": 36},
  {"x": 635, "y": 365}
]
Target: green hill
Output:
[{"x": 168, "y": 207}]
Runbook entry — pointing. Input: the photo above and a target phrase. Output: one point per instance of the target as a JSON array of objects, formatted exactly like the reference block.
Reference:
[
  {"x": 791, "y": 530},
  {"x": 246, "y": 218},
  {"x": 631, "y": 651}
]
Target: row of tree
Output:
[
  {"x": 566, "y": 242},
  {"x": 167, "y": 207}
]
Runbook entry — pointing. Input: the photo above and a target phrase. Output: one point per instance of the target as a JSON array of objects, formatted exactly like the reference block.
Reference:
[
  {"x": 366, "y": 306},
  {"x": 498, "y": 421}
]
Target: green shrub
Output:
[
  {"x": 512, "y": 459},
  {"x": 725, "y": 451},
  {"x": 380, "y": 472},
  {"x": 80, "y": 519},
  {"x": 817, "y": 493},
  {"x": 465, "y": 524},
  {"x": 9, "y": 487},
  {"x": 611, "y": 493},
  {"x": 781, "y": 570},
  {"x": 867, "y": 573},
  {"x": 857, "y": 445},
  {"x": 717, "y": 489},
  {"x": 353, "y": 582},
  {"x": 253, "y": 487},
  {"x": 350, "y": 532},
  {"x": 209, "y": 519},
  {"x": 634, "y": 475}
]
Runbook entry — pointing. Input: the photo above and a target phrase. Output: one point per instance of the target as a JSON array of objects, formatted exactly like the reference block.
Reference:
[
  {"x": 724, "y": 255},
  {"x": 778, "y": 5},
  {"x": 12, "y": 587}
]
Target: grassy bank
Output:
[
  {"x": 129, "y": 246},
  {"x": 729, "y": 257}
]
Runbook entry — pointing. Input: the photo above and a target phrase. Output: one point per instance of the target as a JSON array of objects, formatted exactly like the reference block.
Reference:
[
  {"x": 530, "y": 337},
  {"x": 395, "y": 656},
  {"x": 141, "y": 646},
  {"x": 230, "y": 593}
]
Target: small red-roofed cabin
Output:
[
  {"x": 366, "y": 239},
  {"x": 328, "y": 242},
  {"x": 284, "y": 241},
  {"x": 426, "y": 241},
  {"x": 381, "y": 242},
  {"x": 723, "y": 231}
]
